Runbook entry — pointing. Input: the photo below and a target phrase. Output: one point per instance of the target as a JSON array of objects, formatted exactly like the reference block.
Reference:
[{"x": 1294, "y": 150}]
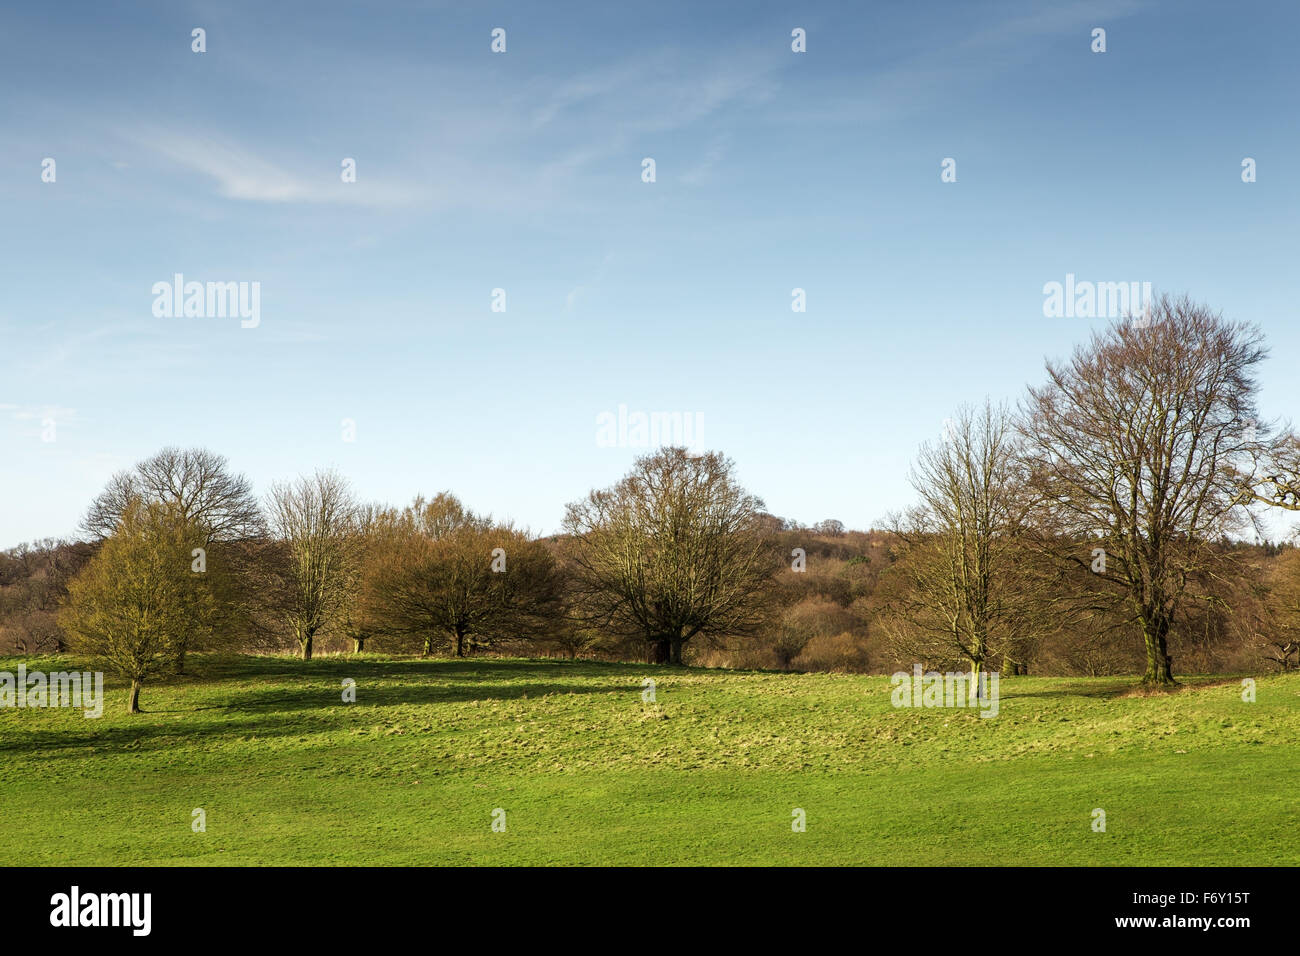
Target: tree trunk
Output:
[
  {"x": 306, "y": 647},
  {"x": 660, "y": 651},
  {"x": 676, "y": 648},
  {"x": 358, "y": 645},
  {"x": 133, "y": 701},
  {"x": 460, "y": 645},
  {"x": 1159, "y": 671},
  {"x": 180, "y": 662}
]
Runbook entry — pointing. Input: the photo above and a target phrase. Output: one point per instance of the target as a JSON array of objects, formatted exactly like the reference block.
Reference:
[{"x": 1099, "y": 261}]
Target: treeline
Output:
[
  {"x": 1097, "y": 527},
  {"x": 833, "y": 616}
]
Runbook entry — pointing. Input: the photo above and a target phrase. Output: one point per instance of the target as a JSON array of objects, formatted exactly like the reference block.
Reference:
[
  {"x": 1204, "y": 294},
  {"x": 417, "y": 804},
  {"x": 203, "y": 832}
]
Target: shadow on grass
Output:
[
  {"x": 245, "y": 667},
  {"x": 1115, "y": 688},
  {"x": 140, "y": 737},
  {"x": 289, "y": 710},
  {"x": 423, "y": 693},
  {"x": 1095, "y": 693}
]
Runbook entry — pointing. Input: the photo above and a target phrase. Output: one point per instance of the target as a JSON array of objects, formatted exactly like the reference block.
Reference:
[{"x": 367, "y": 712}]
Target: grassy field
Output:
[{"x": 587, "y": 773}]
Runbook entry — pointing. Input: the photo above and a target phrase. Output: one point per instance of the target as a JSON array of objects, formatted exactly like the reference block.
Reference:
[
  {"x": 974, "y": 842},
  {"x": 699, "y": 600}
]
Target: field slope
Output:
[{"x": 586, "y": 772}]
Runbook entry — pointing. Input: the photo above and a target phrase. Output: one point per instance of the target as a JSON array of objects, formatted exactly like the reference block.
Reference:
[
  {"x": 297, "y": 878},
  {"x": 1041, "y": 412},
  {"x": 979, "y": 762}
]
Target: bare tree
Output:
[
  {"x": 674, "y": 550},
  {"x": 199, "y": 485},
  {"x": 1140, "y": 446},
  {"x": 830, "y": 528},
  {"x": 314, "y": 520},
  {"x": 965, "y": 596},
  {"x": 1282, "y": 643},
  {"x": 372, "y": 527},
  {"x": 1278, "y": 481},
  {"x": 442, "y": 514},
  {"x": 196, "y": 480},
  {"x": 450, "y": 577}
]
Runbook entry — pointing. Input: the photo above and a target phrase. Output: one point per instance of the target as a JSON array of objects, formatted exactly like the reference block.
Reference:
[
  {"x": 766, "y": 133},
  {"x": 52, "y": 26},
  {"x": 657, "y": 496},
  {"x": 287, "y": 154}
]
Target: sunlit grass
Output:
[{"x": 588, "y": 772}]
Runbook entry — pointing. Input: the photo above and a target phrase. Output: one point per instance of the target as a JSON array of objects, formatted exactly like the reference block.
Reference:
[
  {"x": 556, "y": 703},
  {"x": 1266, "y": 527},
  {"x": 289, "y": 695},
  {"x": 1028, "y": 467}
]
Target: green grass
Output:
[{"x": 587, "y": 773}]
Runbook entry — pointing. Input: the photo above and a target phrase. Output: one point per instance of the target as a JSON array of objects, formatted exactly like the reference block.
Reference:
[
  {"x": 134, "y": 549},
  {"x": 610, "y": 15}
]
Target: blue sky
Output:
[{"x": 522, "y": 171}]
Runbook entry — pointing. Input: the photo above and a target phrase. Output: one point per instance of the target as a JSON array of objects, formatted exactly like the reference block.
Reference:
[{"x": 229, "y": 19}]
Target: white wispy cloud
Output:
[
  {"x": 657, "y": 93},
  {"x": 240, "y": 173}
]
